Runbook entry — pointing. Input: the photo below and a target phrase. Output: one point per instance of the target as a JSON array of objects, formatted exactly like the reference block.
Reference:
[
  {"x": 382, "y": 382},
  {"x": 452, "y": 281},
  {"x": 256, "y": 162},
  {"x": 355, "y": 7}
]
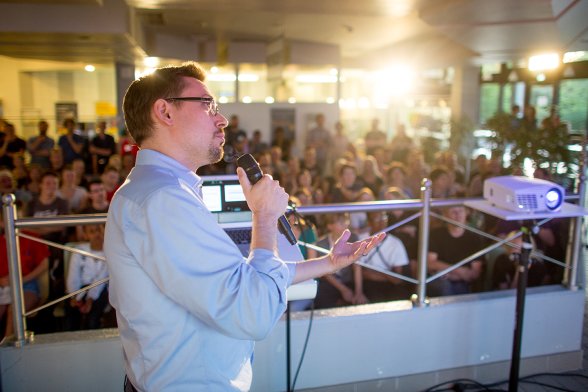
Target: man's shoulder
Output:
[{"x": 146, "y": 181}]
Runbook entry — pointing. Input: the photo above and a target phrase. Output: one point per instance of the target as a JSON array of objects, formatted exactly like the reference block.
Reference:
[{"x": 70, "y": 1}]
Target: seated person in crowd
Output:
[
  {"x": 345, "y": 287},
  {"x": 111, "y": 180},
  {"x": 97, "y": 203},
  {"x": 304, "y": 229},
  {"x": 75, "y": 195},
  {"x": 506, "y": 271},
  {"x": 359, "y": 220},
  {"x": 85, "y": 310},
  {"x": 389, "y": 255},
  {"x": 448, "y": 245},
  {"x": 348, "y": 186},
  {"x": 34, "y": 261},
  {"x": 408, "y": 232},
  {"x": 48, "y": 204},
  {"x": 396, "y": 177}
]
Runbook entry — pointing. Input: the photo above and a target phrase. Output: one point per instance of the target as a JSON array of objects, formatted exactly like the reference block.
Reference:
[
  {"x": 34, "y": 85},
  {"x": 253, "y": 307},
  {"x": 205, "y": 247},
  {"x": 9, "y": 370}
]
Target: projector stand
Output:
[{"x": 523, "y": 270}]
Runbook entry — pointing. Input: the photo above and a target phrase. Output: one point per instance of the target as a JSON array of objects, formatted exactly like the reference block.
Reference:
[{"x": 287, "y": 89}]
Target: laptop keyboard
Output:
[{"x": 240, "y": 236}]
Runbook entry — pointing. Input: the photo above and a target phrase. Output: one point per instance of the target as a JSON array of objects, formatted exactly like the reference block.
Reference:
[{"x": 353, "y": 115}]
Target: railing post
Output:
[
  {"x": 423, "y": 250},
  {"x": 14, "y": 271}
]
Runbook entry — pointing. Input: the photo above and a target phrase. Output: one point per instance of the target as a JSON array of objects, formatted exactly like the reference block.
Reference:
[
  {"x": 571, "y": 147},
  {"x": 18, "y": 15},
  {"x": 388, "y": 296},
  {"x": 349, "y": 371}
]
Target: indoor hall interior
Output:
[{"x": 437, "y": 84}]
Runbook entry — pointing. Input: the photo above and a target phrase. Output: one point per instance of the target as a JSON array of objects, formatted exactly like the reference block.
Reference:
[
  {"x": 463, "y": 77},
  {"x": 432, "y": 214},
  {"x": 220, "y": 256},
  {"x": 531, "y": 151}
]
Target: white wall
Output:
[
  {"x": 31, "y": 88},
  {"x": 258, "y": 116},
  {"x": 347, "y": 345}
]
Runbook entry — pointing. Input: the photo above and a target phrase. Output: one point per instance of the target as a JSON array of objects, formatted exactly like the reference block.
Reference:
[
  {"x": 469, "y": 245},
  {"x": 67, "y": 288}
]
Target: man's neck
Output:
[{"x": 171, "y": 152}]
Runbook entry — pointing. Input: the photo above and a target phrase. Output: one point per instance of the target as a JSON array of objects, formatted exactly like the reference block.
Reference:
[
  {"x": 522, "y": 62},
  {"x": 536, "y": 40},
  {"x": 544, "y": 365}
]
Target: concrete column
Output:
[
  {"x": 465, "y": 93},
  {"x": 125, "y": 75}
]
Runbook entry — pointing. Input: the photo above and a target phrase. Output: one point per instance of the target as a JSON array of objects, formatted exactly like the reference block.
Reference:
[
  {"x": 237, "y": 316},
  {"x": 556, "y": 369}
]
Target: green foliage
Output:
[{"x": 547, "y": 146}]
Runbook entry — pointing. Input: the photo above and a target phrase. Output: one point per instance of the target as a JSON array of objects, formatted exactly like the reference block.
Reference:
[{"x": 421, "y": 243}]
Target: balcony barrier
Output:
[{"x": 13, "y": 225}]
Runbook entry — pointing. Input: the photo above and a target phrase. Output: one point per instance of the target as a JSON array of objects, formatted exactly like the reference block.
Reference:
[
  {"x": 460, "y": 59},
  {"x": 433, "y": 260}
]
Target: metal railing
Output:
[{"x": 424, "y": 205}]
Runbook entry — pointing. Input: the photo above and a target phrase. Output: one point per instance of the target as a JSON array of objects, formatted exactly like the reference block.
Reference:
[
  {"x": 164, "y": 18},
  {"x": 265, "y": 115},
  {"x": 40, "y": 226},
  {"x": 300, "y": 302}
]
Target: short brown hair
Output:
[{"x": 142, "y": 93}]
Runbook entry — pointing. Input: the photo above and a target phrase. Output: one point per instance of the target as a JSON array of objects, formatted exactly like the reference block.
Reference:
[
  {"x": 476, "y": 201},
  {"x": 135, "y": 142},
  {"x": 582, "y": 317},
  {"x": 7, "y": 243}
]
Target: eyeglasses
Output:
[{"x": 209, "y": 101}]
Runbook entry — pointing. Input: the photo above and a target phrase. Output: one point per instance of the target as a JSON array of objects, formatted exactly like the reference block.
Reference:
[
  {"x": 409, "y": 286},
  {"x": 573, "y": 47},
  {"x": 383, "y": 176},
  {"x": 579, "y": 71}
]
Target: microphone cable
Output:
[{"x": 303, "y": 225}]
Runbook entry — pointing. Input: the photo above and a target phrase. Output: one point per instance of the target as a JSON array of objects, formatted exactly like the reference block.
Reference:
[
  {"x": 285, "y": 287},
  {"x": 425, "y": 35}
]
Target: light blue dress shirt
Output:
[{"x": 188, "y": 304}]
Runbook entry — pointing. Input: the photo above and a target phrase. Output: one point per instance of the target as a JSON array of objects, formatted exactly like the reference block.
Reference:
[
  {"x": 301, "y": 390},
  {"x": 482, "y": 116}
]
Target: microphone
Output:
[{"x": 254, "y": 174}]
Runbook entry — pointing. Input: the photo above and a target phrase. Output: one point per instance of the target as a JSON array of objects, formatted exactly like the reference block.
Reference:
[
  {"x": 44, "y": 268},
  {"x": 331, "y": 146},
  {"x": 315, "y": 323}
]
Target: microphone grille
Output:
[{"x": 246, "y": 161}]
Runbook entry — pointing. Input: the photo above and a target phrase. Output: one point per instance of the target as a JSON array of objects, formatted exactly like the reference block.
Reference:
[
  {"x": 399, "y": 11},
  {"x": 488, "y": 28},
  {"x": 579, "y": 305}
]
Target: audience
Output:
[{"x": 75, "y": 176}]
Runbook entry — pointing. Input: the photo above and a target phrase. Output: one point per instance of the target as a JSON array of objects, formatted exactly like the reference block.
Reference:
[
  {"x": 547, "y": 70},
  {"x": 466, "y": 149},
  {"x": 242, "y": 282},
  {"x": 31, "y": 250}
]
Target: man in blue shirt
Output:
[
  {"x": 72, "y": 144},
  {"x": 188, "y": 304}
]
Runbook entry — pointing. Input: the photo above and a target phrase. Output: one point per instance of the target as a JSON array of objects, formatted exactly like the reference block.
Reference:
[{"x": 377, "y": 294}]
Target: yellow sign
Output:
[{"x": 105, "y": 109}]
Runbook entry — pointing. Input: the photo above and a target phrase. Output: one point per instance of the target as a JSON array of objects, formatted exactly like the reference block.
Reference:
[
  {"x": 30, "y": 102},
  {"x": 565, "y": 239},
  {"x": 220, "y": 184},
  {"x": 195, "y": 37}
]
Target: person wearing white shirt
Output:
[
  {"x": 85, "y": 310},
  {"x": 389, "y": 255}
]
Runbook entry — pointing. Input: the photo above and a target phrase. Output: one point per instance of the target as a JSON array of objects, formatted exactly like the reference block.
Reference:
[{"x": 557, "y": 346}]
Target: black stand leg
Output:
[
  {"x": 523, "y": 271},
  {"x": 288, "y": 376}
]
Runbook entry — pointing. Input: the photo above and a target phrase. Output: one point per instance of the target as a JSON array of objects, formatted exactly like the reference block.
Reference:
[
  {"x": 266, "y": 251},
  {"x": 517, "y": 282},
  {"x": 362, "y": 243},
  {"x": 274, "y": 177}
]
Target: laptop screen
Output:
[{"x": 224, "y": 197}]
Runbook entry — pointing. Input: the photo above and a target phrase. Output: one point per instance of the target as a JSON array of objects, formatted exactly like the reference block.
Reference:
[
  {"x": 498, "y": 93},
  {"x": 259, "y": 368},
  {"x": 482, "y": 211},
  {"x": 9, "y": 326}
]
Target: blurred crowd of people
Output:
[
  {"x": 79, "y": 175},
  {"x": 74, "y": 174},
  {"x": 334, "y": 169}
]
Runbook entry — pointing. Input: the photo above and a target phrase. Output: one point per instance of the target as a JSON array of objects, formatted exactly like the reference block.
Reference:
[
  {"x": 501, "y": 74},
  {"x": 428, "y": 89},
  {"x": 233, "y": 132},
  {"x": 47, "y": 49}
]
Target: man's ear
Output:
[{"x": 162, "y": 111}]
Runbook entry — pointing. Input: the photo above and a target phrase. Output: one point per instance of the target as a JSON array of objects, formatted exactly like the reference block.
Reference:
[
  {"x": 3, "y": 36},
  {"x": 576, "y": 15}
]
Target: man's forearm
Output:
[
  {"x": 264, "y": 233},
  {"x": 313, "y": 268}
]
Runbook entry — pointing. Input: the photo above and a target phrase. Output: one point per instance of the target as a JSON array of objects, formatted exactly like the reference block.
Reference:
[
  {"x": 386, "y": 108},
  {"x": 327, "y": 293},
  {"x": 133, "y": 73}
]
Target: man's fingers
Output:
[{"x": 243, "y": 180}]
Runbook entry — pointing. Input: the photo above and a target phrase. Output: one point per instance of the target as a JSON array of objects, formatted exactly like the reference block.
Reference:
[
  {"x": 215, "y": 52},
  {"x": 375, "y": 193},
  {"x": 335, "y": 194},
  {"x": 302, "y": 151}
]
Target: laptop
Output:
[{"x": 224, "y": 197}]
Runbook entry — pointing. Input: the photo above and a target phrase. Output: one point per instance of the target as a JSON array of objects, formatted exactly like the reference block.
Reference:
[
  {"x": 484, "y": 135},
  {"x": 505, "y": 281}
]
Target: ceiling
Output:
[{"x": 367, "y": 32}]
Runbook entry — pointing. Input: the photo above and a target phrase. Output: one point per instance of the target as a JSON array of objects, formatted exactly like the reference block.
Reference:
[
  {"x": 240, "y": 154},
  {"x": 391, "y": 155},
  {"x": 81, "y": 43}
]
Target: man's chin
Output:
[{"x": 216, "y": 155}]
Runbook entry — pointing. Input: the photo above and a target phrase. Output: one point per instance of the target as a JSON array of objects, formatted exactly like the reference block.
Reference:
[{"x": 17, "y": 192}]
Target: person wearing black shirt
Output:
[
  {"x": 102, "y": 148},
  {"x": 449, "y": 245},
  {"x": 10, "y": 145}
]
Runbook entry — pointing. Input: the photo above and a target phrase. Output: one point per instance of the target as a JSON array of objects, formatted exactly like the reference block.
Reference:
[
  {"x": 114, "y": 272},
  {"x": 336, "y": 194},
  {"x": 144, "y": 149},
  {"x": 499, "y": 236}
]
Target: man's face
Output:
[
  {"x": 110, "y": 178},
  {"x": 78, "y": 166},
  {"x": 348, "y": 177},
  {"x": 457, "y": 213},
  {"x": 6, "y": 185},
  {"x": 43, "y": 127},
  {"x": 95, "y": 235},
  {"x": 70, "y": 126},
  {"x": 97, "y": 193},
  {"x": 49, "y": 185},
  {"x": 199, "y": 130}
]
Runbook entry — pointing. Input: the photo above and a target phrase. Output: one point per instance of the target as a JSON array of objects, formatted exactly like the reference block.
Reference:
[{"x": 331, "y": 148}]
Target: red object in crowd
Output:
[
  {"x": 32, "y": 253},
  {"x": 128, "y": 147}
]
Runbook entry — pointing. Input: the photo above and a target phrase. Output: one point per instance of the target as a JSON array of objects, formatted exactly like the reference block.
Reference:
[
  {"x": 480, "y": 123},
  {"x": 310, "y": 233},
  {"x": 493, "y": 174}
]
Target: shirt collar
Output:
[{"x": 152, "y": 157}]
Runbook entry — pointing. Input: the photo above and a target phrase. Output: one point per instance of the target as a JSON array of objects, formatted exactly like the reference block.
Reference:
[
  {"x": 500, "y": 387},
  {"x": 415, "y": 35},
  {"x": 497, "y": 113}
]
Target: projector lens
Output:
[{"x": 553, "y": 199}]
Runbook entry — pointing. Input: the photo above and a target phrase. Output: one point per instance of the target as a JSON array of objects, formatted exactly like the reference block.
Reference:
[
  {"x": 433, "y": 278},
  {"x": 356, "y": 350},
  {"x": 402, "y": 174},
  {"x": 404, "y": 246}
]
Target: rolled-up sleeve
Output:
[{"x": 195, "y": 264}]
